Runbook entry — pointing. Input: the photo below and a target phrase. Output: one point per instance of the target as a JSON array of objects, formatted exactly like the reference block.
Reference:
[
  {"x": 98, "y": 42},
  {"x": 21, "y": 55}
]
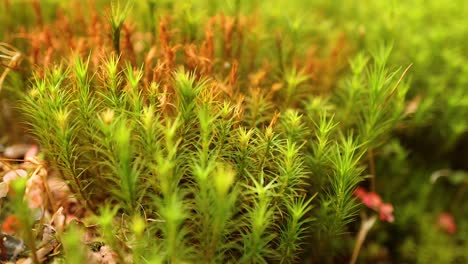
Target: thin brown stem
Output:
[
  {"x": 14, "y": 57},
  {"x": 370, "y": 154},
  {"x": 397, "y": 84}
]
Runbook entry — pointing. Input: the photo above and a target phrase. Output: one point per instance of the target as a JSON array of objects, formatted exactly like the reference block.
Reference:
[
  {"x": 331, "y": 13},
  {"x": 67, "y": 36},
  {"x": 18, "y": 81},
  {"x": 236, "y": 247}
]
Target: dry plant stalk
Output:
[
  {"x": 366, "y": 225},
  {"x": 13, "y": 56}
]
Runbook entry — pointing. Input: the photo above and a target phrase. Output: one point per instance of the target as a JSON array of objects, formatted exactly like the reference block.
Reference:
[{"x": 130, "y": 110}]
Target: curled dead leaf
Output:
[{"x": 3, "y": 189}]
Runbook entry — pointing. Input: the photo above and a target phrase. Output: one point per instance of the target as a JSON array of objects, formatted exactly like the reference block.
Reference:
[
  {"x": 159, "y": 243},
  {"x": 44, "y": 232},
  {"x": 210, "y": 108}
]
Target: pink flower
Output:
[
  {"x": 447, "y": 223},
  {"x": 374, "y": 202},
  {"x": 386, "y": 213}
]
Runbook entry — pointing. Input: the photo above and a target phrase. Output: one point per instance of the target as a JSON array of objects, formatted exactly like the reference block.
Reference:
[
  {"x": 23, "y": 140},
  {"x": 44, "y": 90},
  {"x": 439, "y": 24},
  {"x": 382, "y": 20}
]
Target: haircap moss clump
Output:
[{"x": 193, "y": 162}]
